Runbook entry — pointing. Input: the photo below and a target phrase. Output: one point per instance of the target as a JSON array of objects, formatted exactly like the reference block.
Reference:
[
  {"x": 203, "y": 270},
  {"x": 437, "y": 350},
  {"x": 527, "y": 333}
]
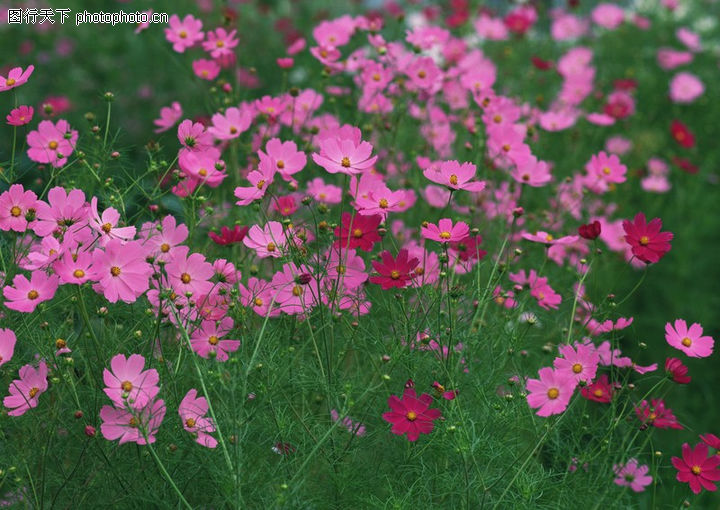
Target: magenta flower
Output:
[
  {"x": 24, "y": 295},
  {"x": 184, "y": 34},
  {"x": 411, "y": 414},
  {"x": 548, "y": 239},
  {"x": 192, "y": 412},
  {"x": 16, "y": 77},
  {"x": 15, "y": 205},
  {"x": 579, "y": 363},
  {"x": 121, "y": 271},
  {"x": 260, "y": 180},
  {"x": 7, "y": 345},
  {"x": 295, "y": 289},
  {"x": 51, "y": 143},
  {"x": 455, "y": 176},
  {"x": 24, "y": 392},
  {"x": 645, "y": 239},
  {"x": 206, "y": 339},
  {"x": 551, "y": 393},
  {"x": 132, "y": 426},
  {"x": 229, "y": 236},
  {"x": 344, "y": 155},
  {"x": 394, "y": 272},
  {"x": 689, "y": 340},
  {"x": 220, "y": 43},
  {"x": 605, "y": 169},
  {"x": 632, "y": 475},
  {"x": 697, "y": 469},
  {"x": 446, "y": 232},
  {"x": 657, "y": 415},
  {"x": 20, "y": 116},
  {"x": 128, "y": 383}
]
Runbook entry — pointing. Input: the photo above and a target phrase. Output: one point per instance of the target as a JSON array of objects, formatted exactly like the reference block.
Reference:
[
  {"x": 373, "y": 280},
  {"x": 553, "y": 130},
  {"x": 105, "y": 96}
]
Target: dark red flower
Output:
[
  {"x": 711, "y": 440},
  {"x": 685, "y": 165},
  {"x": 468, "y": 248},
  {"x": 411, "y": 414},
  {"x": 357, "y": 232},
  {"x": 599, "y": 390},
  {"x": 625, "y": 84},
  {"x": 696, "y": 468},
  {"x": 647, "y": 242},
  {"x": 657, "y": 415},
  {"x": 227, "y": 236},
  {"x": 541, "y": 64},
  {"x": 677, "y": 371},
  {"x": 590, "y": 231},
  {"x": 394, "y": 272},
  {"x": 682, "y": 134}
]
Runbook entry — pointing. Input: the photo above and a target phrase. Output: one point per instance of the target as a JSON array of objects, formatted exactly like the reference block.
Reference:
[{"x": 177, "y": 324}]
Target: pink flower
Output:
[
  {"x": 121, "y": 271},
  {"x": 454, "y": 175},
  {"x": 189, "y": 274},
  {"x": 696, "y": 468},
  {"x": 16, "y": 77},
  {"x": 193, "y": 137},
  {"x": 284, "y": 157},
  {"x": 608, "y": 15},
  {"x": 230, "y": 125},
  {"x": 324, "y": 193},
  {"x": 20, "y": 116},
  {"x": 192, "y": 413},
  {"x": 206, "y": 69},
  {"x": 63, "y": 212},
  {"x": 134, "y": 426},
  {"x": 551, "y": 393},
  {"x": 632, "y": 475},
  {"x": 25, "y": 295},
  {"x": 51, "y": 143},
  {"x": 295, "y": 289},
  {"x": 685, "y": 88},
  {"x": 579, "y": 363},
  {"x": 220, "y": 43},
  {"x": 260, "y": 180},
  {"x": 205, "y": 340},
  {"x": 15, "y": 205},
  {"x": 411, "y": 414},
  {"x": 353, "y": 427},
  {"x": 169, "y": 115},
  {"x": 689, "y": 340},
  {"x": 345, "y": 267},
  {"x": 24, "y": 392},
  {"x": 183, "y": 34},
  {"x": 268, "y": 241},
  {"x": 603, "y": 169},
  {"x": 128, "y": 383},
  {"x": 548, "y": 239},
  {"x": 229, "y": 236},
  {"x": 445, "y": 231},
  {"x": 73, "y": 268},
  {"x": 7, "y": 345},
  {"x": 163, "y": 243},
  {"x": 105, "y": 225},
  {"x": 343, "y": 155}
]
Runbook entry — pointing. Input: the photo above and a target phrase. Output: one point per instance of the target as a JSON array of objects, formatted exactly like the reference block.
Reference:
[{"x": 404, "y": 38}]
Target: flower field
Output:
[{"x": 382, "y": 254}]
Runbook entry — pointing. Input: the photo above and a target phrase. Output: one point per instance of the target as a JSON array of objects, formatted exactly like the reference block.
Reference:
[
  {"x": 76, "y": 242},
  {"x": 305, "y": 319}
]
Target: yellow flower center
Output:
[
  {"x": 606, "y": 170},
  {"x": 106, "y": 227},
  {"x": 297, "y": 291},
  {"x": 164, "y": 247},
  {"x": 345, "y": 162},
  {"x": 280, "y": 164},
  {"x": 182, "y": 34},
  {"x": 506, "y": 147},
  {"x": 60, "y": 343},
  {"x": 115, "y": 271},
  {"x": 202, "y": 172},
  {"x": 133, "y": 422},
  {"x": 453, "y": 179},
  {"x": 383, "y": 203},
  {"x": 271, "y": 247},
  {"x": 553, "y": 393},
  {"x": 357, "y": 233},
  {"x": 190, "y": 422},
  {"x": 126, "y": 386},
  {"x": 341, "y": 269},
  {"x": 78, "y": 273},
  {"x": 394, "y": 274},
  {"x": 549, "y": 237},
  {"x": 376, "y": 76},
  {"x": 577, "y": 368},
  {"x": 686, "y": 342},
  {"x": 258, "y": 302},
  {"x": 33, "y": 294},
  {"x": 260, "y": 184},
  {"x": 422, "y": 74},
  {"x": 233, "y": 130},
  {"x": 213, "y": 340},
  {"x": 15, "y": 211},
  {"x": 185, "y": 278},
  {"x": 53, "y": 145},
  {"x": 644, "y": 240},
  {"x": 696, "y": 470},
  {"x": 411, "y": 416},
  {"x": 220, "y": 44},
  {"x": 598, "y": 392},
  {"x": 497, "y": 118},
  {"x": 445, "y": 235},
  {"x": 10, "y": 82}
]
